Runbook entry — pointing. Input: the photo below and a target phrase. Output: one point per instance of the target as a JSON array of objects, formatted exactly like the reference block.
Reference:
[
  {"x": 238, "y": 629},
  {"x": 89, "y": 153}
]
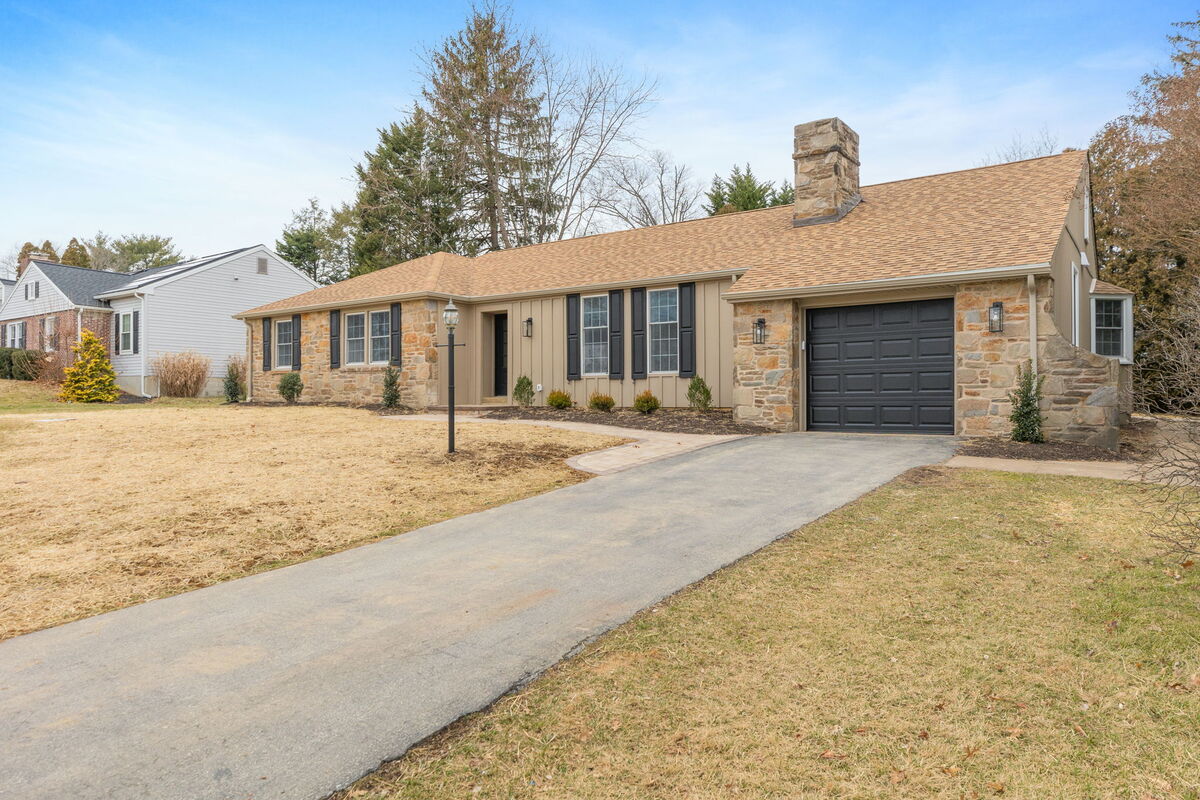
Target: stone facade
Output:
[
  {"x": 826, "y": 161},
  {"x": 766, "y": 376},
  {"x": 357, "y": 385},
  {"x": 1082, "y": 392}
]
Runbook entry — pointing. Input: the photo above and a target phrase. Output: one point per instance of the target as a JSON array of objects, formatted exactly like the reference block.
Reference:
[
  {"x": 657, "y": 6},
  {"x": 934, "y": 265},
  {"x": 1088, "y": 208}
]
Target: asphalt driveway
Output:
[{"x": 293, "y": 683}]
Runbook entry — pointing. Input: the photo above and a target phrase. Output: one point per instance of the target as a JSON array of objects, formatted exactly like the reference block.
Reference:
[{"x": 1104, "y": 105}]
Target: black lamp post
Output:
[{"x": 450, "y": 319}]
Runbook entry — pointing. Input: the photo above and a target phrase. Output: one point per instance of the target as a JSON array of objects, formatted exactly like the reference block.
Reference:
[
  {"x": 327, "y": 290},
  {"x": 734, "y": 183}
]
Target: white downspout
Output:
[
  {"x": 1033, "y": 315},
  {"x": 142, "y": 342}
]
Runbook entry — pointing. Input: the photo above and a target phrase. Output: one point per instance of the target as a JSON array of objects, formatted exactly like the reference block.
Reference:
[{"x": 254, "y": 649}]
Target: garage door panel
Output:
[{"x": 883, "y": 368}]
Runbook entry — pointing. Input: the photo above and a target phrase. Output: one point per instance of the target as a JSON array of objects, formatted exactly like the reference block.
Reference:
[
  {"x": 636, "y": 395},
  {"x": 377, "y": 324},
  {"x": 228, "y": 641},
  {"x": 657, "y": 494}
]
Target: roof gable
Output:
[{"x": 80, "y": 285}]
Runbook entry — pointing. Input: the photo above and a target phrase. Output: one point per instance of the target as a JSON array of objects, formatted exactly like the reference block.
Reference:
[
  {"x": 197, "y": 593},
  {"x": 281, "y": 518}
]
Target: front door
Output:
[{"x": 500, "y": 355}]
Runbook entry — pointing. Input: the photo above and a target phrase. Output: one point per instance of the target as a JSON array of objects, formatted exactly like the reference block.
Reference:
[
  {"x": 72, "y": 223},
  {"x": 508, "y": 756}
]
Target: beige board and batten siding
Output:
[
  {"x": 1073, "y": 241},
  {"x": 543, "y": 357}
]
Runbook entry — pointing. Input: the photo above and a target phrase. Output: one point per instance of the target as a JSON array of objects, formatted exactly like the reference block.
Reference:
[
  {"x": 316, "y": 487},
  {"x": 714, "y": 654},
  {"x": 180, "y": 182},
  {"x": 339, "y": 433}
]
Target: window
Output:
[
  {"x": 49, "y": 340},
  {"x": 1112, "y": 328},
  {"x": 381, "y": 337},
  {"x": 595, "y": 335},
  {"x": 16, "y": 335},
  {"x": 356, "y": 348},
  {"x": 283, "y": 344},
  {"x": 33, "y": 290},
  {"x": 126, "y": 343},
  {"x": 664, "y": 330},
  {"x": 262, "y": 266}
]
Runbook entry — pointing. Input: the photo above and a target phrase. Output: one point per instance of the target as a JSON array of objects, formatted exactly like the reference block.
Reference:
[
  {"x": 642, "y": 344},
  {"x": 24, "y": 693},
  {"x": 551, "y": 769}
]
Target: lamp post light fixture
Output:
[
  {"x": 996, "y": 317},
  {"x": 450, "y": 320},
  {"x": 760, "y": 331},
  {"x": 527, "y": 328}
]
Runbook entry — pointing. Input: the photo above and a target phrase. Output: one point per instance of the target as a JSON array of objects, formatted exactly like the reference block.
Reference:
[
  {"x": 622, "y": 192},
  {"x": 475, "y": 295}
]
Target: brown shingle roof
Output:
[
  {"x": 1104, "y": 287},
  {"x": 998, "y": 216}
]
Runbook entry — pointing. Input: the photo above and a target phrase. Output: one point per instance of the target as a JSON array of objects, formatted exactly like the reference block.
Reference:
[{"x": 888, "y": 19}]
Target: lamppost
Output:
[{"x": 450, "y": 319}]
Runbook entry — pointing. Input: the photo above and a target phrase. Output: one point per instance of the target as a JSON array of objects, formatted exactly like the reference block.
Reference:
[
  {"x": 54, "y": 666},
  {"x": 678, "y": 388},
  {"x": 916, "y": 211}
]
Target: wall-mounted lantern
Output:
[
  {"x": 760, "y": 331},
  {"x": 996, "y": 317},
  {"x": 527, "y": 328}
]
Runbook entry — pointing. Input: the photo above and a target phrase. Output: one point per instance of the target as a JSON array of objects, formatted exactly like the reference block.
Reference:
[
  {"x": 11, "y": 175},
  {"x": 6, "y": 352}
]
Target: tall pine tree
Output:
[
  {"x": 48, "y": 249},
  {"x": 742, "y": 191},
  {"x": 76, "y": 254}
]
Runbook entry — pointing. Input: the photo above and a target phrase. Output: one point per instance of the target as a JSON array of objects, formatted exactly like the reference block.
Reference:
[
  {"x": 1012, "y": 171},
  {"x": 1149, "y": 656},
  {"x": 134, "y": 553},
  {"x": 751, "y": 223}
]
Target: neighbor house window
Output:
[
  {"x": 356, "y": 338},
  {"x": 16, "y": 335},
  {"x": 262, "y": 266},
  {"x": 283, "y": 344},
  {"x": 664, "y": 330},
  {"x": 595, "y": 335},
  {"x": 381, "y": 337},
  {"x": 1112, "y": 328},
  {"x": 126, "y": 344},
  {"x": 49, "y": 340}
]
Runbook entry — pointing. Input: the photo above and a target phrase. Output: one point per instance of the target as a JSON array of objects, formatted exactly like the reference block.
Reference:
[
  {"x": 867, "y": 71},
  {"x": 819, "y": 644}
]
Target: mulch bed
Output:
[
  {"x": 670, "y": 420},
  {"x": 987, "y": 447},
  {"x": 124, "y": 399}
]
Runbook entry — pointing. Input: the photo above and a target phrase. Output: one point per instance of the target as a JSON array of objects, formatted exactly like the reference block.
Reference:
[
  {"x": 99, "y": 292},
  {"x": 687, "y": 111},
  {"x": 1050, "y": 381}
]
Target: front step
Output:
[{"x": 499, "y": 400}]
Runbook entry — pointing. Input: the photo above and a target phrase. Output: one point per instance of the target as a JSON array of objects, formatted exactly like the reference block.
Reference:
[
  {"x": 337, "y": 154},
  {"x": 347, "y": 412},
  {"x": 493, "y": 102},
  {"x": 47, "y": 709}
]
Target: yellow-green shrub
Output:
[{"x": 91, "y": 378}]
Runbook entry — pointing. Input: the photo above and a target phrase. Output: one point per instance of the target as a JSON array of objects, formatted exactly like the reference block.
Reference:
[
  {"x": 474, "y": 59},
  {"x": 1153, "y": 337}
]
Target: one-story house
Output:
[
  {"x": 142, "y": 315},
  {"x": 903, "y": 307}
]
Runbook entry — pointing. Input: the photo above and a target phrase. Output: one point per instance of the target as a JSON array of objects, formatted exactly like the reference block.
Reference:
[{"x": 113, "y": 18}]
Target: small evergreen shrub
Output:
[
  {"x": 91, "y": 378},
  {"x": 523, "y": 391},
  {"x": 6, "y": 354},
  {"x": 27, "y": 364},
  {"x": 699, "y": 395},
  {"x": 181, "y": 374},
  {"x": 646, "y": 402},
  {"x": 1026, "y": 415},
  {"x": 601, "y": 402},
  {"x": 559, "y": 400},
  {"x": 290, "y": 387},
  {"x": 235, "y": 380},
  {"x": 391, "y": 387}
]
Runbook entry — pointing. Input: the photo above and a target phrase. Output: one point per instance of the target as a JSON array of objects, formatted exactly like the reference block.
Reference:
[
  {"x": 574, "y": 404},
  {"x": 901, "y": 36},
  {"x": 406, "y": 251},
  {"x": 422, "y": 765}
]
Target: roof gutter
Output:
[
  {"x": 931, "y": 279},
  {"x": 494, "y": 298}
]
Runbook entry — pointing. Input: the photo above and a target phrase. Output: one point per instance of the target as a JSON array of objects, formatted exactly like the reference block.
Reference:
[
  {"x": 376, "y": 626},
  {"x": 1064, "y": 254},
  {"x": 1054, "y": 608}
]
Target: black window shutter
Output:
[
  {"x": 295, "y": 341},
  {"x": 266, "y": 344},
  {"x": 572, "y": 337},
  {"x": 335, "y": 337},
  {"x": 395, "y": 333},
  {"x": 136, "y": 323},
  {"x": 637, "y": 332},
  {"x": 116, "y": 342},
  {"x": 687, "y": 330},
  {"x": 616, "y": 335}
]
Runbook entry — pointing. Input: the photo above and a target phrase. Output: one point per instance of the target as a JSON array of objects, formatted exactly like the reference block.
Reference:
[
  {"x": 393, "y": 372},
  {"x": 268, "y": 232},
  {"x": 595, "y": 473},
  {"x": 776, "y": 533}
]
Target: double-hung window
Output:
[
  {"x": 381, "y": 337},
  {"x": 664, "y": 330},
  {"x": 126, "y": 343},
  {"x": 16, "y": 335},
  {"x": 283, "y": 344},
  {"x": 595, "y": 335},
  {"x": 49, "y": 341},
  {"x": 356, "y": 338},
  {"x": 1112, "y": 327}
]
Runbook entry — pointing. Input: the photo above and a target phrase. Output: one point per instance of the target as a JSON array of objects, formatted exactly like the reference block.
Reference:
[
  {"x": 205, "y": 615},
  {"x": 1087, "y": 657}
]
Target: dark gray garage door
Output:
[{"x": 882, "y": 368}]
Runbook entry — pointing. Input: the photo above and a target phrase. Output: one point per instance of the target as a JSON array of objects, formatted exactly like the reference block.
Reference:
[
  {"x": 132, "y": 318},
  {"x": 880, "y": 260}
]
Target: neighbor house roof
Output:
[
  {"x": 80, "y": 284},
  {"x": 1104, "y": 287},
  {"x": 1008, "y": 215},
  {"x": 139, "y": 280}
]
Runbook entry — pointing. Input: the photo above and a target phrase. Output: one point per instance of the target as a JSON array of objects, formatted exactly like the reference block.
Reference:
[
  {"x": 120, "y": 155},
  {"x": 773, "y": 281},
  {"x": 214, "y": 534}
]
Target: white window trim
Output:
[
  {"x": 121, "y": 349},
  {"x": 48, "y": 336},
  {"x": 279, "y": 366},
  {"x": 366, "y": 339},
  {"x": 1126, "y": 356},
  {"x": 607, "y": 335},
  {"x": 370, "y": 338},
  {"x": 13, "y": 339},
  {"x": 649, "y": 326}
]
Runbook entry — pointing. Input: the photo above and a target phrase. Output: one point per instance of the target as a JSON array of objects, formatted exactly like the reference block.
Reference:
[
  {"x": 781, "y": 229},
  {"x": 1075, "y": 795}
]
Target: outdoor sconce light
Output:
[
  {"x": 760, "y": 331},
  {"x": 996, "y": 318},
  {"x": 527, "y": 328}
]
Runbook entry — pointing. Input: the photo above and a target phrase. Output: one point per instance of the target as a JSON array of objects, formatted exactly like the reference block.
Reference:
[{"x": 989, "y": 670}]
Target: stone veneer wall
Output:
[
  {"x": 765, "y": 383},
  {"x": 1081, "y": 390},
  {"x": 361, "y": 385},
  {"x": 1082, "y": 400}
]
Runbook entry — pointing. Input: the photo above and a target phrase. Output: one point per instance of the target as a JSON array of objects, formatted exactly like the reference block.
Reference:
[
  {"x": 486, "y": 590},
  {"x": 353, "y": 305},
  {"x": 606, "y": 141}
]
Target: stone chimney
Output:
[{"x": 826, "y": 156}]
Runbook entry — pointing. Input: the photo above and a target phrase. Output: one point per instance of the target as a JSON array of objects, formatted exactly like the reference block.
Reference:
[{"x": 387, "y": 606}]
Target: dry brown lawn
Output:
[
  {"x": 111, "y": 508},
  {"x": 956, "y": 634}
]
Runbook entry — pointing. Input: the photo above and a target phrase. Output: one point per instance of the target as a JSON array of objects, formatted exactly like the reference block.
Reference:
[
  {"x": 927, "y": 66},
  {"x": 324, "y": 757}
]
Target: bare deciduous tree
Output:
[
  {"x": 648, "y": 190},
  {"x": 1042, "y": 143}
]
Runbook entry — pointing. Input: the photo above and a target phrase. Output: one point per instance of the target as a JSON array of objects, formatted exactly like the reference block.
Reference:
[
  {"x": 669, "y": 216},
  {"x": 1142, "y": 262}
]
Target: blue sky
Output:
[{"x": 210, "y": 122}]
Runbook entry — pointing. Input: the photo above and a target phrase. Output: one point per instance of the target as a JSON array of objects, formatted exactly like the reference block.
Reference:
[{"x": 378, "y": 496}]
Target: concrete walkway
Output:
[
  {"x": 293, "y": 683},
  {"x": 646, "y": 447},
  {"x": 1113, "y": 470}
]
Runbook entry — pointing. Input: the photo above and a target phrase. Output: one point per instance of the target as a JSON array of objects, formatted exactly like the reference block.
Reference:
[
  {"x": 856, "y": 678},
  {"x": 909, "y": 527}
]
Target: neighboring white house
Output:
[
  {"x": 6, "y": 287},
  {"x": 142, "y": 315}
]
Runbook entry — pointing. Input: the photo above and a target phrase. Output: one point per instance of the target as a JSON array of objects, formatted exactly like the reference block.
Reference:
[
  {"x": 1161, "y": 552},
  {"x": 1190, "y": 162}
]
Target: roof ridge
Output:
[{"x": 976, "y": 169}]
